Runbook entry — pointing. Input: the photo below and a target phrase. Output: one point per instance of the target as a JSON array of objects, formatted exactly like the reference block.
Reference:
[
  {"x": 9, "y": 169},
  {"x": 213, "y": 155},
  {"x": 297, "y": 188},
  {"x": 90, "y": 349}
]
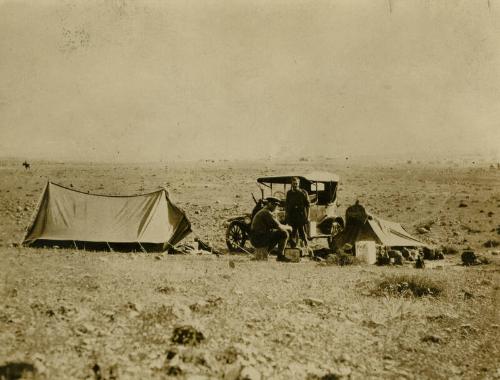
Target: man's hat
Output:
[{"x": 274, "y": 200}]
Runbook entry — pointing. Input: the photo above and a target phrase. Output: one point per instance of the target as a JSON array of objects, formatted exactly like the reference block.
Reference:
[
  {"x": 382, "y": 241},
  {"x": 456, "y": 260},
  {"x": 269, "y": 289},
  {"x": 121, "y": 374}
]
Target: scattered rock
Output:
[
  {"x": 166, "y": 289},
  {"x": 423, "y": 230},
  {"x": 463, "y": 204},
  {"x": 468, "y": 295},
  {"x": 313, "y": 301},
  {"x": 249, "y": 373},
  {"x": 432, "y": 339},
  {"x": 345, "y": 358},
  {"x": 232, "y": 372},
  {"x": 173, "y": 370}
]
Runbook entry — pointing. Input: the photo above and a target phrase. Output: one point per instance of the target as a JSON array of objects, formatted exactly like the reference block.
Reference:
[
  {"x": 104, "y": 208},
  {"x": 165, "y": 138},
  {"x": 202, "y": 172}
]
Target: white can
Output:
[{"x": 366, "y": 251}]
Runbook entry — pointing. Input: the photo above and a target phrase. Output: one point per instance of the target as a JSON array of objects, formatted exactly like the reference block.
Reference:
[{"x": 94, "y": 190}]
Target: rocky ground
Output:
[{"x": 99, "y": 315}]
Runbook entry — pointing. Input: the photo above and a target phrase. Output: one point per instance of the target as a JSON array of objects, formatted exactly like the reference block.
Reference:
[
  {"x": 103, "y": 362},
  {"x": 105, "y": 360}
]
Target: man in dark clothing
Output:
[
  {"x": 267, "y": 231},
  {"x": 297, "y": 211},
  {"x": 355, "y": 215}
]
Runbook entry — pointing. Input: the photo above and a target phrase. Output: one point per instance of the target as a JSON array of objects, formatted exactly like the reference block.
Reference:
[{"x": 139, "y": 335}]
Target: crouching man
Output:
[{"x": 267, "y": 231}]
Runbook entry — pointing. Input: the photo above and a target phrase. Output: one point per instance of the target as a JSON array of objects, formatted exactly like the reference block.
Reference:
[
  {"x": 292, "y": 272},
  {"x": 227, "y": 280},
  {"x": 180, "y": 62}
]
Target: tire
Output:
[{"x": 236, "y": 237}]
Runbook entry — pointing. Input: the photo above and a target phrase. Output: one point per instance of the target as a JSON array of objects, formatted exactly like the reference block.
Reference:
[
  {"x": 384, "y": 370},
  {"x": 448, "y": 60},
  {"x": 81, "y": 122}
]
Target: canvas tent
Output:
[
  {"x": 361, "y": 226},
  {"x": 66, "y": 217}
]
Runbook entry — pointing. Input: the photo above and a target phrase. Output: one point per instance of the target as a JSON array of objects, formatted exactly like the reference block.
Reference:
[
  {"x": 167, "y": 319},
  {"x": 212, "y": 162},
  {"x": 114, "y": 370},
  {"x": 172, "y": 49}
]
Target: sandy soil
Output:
[{"x": 99, "y": 315}]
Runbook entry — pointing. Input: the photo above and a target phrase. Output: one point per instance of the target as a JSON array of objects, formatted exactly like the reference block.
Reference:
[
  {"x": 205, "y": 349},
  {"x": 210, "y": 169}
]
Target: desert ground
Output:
[{"x": 69, "y": 314}]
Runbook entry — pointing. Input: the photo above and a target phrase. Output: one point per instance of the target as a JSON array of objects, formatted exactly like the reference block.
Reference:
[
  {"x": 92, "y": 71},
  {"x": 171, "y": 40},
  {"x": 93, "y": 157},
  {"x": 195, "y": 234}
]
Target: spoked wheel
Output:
[{"x": 235, "y": 237}]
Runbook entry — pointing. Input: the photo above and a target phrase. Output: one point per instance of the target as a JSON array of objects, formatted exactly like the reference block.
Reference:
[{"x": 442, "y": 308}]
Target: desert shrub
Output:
[
  {"x": 187, "y": 335},
  {"x": 160, "y": 315},
  {"x": 409, "y": 285},
  {"x": 342, "y": 259},
  {"x": 469, "y": 258},
  {"x": 491, "y": 243}
]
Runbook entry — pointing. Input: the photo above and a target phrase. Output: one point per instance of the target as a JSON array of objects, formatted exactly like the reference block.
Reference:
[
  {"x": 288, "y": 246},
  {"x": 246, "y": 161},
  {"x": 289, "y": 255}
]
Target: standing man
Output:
[
  {"x": 267, "y": 231},
  {"x": 297, "y": 211}
]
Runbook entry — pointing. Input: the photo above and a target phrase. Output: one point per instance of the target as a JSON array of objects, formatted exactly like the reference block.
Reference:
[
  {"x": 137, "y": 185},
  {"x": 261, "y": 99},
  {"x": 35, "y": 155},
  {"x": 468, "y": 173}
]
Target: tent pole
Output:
[
  {"x": 74, "y": 243},
  {"x": 167, "y": 245},
  {"x": 140, "y": 245},
  {"x": 110, "y": 249}
]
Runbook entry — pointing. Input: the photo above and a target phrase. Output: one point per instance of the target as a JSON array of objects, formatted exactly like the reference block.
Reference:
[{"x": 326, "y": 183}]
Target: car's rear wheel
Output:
[{"x": 235, "y": 237}]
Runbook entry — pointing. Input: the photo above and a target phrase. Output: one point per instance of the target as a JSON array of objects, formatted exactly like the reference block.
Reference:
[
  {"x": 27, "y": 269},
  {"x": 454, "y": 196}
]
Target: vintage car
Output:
[{"x": 321, "y": 187}]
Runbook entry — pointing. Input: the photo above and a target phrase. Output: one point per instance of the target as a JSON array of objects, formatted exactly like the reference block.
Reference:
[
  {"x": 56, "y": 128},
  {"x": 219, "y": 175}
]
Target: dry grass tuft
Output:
[{"x": 409, "y": 285}]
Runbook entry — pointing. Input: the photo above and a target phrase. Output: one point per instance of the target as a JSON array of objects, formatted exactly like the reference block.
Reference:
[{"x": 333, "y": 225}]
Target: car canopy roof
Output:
[{"x": 310, "y": 177}]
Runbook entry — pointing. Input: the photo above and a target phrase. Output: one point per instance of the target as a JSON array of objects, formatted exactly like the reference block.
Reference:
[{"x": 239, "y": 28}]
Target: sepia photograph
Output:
[{"x": 249, "y": 189}]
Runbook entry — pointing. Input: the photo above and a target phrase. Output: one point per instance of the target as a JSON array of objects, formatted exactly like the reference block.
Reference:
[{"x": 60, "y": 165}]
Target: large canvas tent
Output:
[{"x": 146, "y": 222}]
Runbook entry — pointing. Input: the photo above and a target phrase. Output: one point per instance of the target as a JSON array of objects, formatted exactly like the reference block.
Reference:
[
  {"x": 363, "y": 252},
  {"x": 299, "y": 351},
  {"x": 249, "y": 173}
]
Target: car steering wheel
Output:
[{"x": 279, "y": 194}]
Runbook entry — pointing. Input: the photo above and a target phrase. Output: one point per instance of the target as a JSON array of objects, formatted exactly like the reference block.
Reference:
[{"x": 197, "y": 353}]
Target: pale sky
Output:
[{"x": 160, "y": 80}]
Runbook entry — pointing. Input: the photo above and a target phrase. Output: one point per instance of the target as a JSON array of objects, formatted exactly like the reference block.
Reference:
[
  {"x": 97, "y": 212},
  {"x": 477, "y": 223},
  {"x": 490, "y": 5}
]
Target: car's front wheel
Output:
[{"x": 235, "y": 237}]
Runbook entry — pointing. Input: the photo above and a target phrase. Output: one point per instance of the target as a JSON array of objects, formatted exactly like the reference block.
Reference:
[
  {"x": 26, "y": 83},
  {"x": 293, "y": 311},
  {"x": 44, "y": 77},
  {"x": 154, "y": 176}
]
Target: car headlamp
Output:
[{"x": 248, "y": 220}]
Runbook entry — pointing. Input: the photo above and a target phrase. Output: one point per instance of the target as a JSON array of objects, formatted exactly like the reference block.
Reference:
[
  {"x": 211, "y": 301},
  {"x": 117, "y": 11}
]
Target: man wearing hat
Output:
[
  {"x": 297, "y": 211},
  {"x": 267, "y": 231}
]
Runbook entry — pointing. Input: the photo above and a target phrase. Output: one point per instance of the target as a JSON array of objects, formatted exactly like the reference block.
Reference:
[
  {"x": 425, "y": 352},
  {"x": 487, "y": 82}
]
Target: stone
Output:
[
  {"x": 249, "y": 373},
  {"x": 313, "y": 301},
  {"x": 232, "y": 372},
  {"x": 432, "y": 338}
]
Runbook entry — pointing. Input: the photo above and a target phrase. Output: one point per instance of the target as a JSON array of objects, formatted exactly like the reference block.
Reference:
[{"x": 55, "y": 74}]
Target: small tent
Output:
[
  {"x": 70, "y": 218},
  {"x": 361, "y": 226}
]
